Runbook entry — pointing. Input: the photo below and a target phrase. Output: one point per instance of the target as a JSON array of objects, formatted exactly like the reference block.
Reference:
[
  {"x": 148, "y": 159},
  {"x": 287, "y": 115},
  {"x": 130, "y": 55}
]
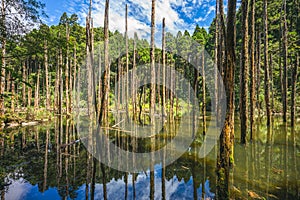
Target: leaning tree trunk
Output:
[
  {"x": 227, "y": 133},
  {"x": 244, "y": 74},
  {"x": 252, "y": 68},
  {"x": 266, "y": 64}
]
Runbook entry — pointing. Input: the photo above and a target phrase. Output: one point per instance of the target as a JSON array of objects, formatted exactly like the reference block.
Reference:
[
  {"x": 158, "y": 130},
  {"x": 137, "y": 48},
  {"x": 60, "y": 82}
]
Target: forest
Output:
[{"x": 230, "y": 91}]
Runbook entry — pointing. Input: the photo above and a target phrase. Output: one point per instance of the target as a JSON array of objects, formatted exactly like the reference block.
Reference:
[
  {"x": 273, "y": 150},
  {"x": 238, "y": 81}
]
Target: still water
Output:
[{"x": 35, "y": 163}]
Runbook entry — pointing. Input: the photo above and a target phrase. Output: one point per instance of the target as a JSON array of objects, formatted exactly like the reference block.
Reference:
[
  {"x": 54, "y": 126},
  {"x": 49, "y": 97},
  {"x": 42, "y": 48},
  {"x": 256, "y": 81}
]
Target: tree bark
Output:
[
  {"x": 252, "y": 69},
  {"x": 152, "y": 63},
  {"x": 266, "y": 64},
  {"x": 203, "y": 93},
  {"x": 285, "y": 63},
  {"x": 46, "y": 74},
  {"x": 294, "y": 91},
  {"x": 104, "y": 102},
  {"x": 244, "y": 73},
  {"x": 227, "y": 133}
]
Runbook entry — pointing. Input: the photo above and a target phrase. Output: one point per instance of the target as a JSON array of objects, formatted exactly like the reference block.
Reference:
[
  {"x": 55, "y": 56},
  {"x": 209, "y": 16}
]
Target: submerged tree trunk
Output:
[
  {"x": 244, "y": 74},
  {"x": 266, "y": 64},
  {"x": 105, "y": 89},
  {"x": 152, "y": 63},
  {"x": 227, "y": 133}
]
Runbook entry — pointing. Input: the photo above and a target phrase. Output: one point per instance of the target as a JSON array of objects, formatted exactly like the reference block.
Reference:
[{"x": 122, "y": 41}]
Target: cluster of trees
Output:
[{"x": 258, "y": 43}]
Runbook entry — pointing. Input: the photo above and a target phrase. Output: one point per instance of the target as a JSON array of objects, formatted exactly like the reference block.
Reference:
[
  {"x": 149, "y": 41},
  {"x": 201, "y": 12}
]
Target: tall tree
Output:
[
  {"x": 244, "y": 74},
  {"x": 105, "y": 89},
  {"x": 285, "y": 61},
  {"x": 294, "y": 91},
  {"x": 152, "y": 63},
  {"x": 266, "y": 63},
  {"x": 252, "y": 67},
  {"x": 227, "y": 133},
  {"x": 15, "y": 17},
  {"x": 163, "y": 67}
]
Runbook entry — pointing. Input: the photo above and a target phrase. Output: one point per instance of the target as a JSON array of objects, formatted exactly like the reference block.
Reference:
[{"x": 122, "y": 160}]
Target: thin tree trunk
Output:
[
  {"x": 67, "y": 71},
  {"x": 127, "y": 63},
  {"x": 163, "y": 69},
  {"x": 3, "y": 60},
  {"x": 203, "y": 94},
  {"x": 152, "y": 62},
  {"x": 285, "y": 62},
  {"x": 294, "y": 91},
  {"x": 266, "y": 64},
  {"x": 47, "y": 75},
  {"x": 37, "y": 90},
  {"x": 258, "y": 73},
  {"x": 104, "y": 102},
  {"x": 216, "y": 53},
  {"x": 244, "y": 74},
  {"x": 252, "y": 69},
  {"x": 24, "y": 78}
]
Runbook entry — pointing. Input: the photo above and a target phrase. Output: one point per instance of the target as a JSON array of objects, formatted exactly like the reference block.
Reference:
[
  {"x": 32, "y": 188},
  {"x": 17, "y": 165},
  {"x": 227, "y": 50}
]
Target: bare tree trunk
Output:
[
  {"x": 127, "y": 63},
  {"x": 24, "y": 78},
  {"x": 56, "y": 89},
  {"x": 163, "y": 70},
  {"x": 37, "y": 90},
  {"x": 244, "y": 74},
  {"x": 104, "y": 102},
  {"x": 47, "y": 75},
  {"x": 134, "y": 95},
  {"x": 266, "y": 64},
  {"x": 227, "y": 134},
  {"x": 3, "y": 60},
  {"x": 13, "y": 96},
  {"x": 61, "y": 88},
  {"x": 67, "y": 71},
  {"x": 203, "y": 94},
  {"x": 216, "y": 53},
  {"x": 252, "y": 69},
  {"x": 258, "y": 73},
  {"x": 152, "y": 62},
  {"x": 29, "y": 91},
  {"x": 285, "y": 62},
  {"x": 294, "y": 91}
]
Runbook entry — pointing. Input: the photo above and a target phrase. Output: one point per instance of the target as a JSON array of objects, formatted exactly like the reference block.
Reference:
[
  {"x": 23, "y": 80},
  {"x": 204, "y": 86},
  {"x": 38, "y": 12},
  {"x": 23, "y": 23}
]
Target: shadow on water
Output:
[{"x": 49, "y": 162}]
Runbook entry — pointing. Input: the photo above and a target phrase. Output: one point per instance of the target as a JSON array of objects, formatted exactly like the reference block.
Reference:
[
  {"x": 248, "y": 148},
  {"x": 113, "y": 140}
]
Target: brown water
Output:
[{"x": 33, "y": 166}]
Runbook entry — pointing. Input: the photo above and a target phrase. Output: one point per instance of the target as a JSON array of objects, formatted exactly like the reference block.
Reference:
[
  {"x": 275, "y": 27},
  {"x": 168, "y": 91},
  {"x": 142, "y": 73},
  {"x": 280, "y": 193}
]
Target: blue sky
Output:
[{"x": 180, "y": 14}]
